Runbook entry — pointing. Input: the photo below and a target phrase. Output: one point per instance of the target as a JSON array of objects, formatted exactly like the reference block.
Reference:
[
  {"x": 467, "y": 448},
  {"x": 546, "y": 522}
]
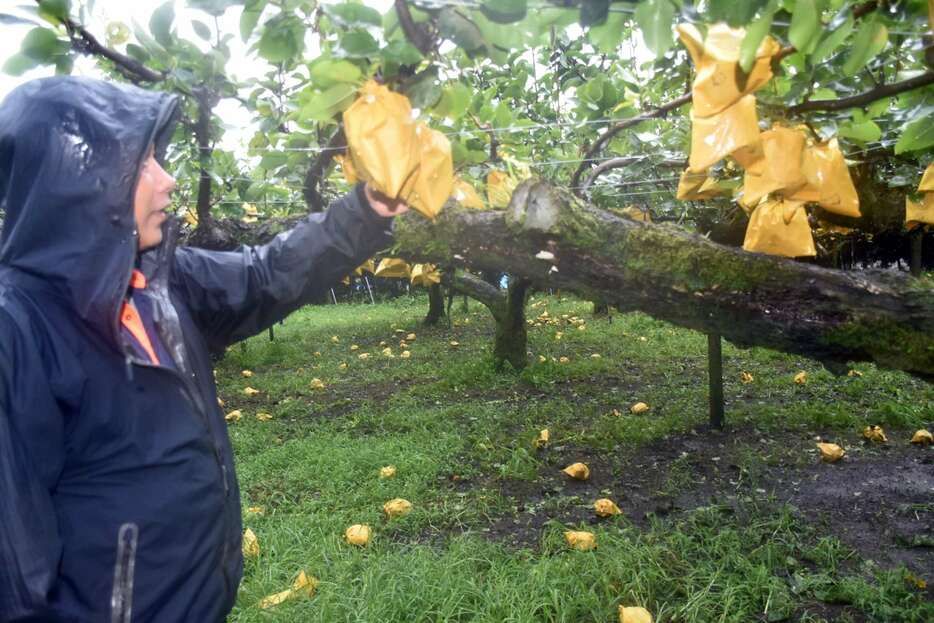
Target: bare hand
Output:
[{"x": 383, "y": 205}]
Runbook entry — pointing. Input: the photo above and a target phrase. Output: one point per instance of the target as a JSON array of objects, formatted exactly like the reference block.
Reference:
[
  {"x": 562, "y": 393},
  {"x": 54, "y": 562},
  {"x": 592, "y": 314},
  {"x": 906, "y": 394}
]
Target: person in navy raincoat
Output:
[{"x": 118, "y": 497}]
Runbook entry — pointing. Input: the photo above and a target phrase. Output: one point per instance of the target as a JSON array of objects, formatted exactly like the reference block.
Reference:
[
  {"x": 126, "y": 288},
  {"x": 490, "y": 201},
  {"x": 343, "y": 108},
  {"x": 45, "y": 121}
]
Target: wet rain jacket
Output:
[{"x": 117, "y": 484}]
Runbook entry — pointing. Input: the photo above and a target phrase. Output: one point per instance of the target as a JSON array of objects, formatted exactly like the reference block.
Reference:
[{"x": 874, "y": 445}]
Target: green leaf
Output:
[
  {"x": 359, "y": 44},
  {"x": 454, "y": 101},
  {"x": 283, "y": 39},
  {"x": 864, "y": 132},
  {"x": 348, "y": 14},
  {"x": 594, "y": 12},
  {"x": 160, "y": 24},
  {"x": 213, "y": 7},
  {"x": 273, "y": 160},
  {"x": 64, "y": 64},
  {"x": 805, "y": 25},
  {"x": 832, "y": 41},
  {"x": 326, "y": 72},
  {"x": 504, "y": 11},
  {"x": 869, "y": 41},
  {"x": 58, "y": 9},
  {"x": 917, "y": 134},
  {"x": 201, "y": 29},
  {"x": 250, "y": 17},
  {"x": 502, "y": 117},
  {"x": 18, "y": 64},
  {"x": 42, "y": 45},
  {"x": 462, "y": 31},
  {"x": 655, "y": 18},
  {"x": 755, "y": 33},
  {"x": 607, "y": 36},
  {"x": 138, "y": 52},
  {"x": 734, "y": 12},
  {"x": 402, "y": 53},
  {"x": 323, "y": 106},
  {"x": 426, "y": 92}
]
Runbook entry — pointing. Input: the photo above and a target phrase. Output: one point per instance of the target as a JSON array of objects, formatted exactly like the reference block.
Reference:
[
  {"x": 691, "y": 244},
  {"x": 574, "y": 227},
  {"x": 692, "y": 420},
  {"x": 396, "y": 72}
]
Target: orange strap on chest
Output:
[{"x": 130, "y": 319}]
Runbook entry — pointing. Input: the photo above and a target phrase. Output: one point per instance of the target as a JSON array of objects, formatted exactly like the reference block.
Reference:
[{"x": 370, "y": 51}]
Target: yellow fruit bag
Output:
[
  {"x": 717, "y": 136},
  {"x": 780, "y": 228},
  {"x": 919, "y": 213},
  {"x": 425, "y": 275},
  {"x": 393, "y": 268}
]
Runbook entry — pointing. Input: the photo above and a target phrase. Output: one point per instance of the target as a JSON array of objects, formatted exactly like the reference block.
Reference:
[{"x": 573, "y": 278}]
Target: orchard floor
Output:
[{"x": 744, "y": 524}]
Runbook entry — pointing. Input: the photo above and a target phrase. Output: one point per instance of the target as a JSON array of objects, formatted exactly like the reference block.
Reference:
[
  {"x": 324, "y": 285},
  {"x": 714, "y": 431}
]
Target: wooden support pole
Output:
[
  {"x": 715, "y": 376},
  {"x": 916, "y": 240}
]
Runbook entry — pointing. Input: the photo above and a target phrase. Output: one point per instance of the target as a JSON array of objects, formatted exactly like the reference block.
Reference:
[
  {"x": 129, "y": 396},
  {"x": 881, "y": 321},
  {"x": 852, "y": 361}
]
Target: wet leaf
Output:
[{"x": 580, "y": 540}]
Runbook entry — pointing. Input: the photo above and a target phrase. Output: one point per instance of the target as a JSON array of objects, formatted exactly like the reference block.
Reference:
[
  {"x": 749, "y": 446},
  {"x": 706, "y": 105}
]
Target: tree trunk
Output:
[
  {"x": 435, "y": 305},
  {"x": 508, "y": 310},
  {"x": 750, "y": 299},
  {"x": 601, "y": 309}
]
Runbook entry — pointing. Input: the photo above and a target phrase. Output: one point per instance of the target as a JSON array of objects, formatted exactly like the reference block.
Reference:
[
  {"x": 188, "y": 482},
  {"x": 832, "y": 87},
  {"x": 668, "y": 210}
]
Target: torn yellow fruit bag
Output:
[
  {"x": 634, "y": 614},
  {"x": 697, "y": 186},
  {"x": 875, "y": 433},
  {"x": 542, "y": 440},
  {"x": 922, "y": 438},
  {"x": 718, "y": 136},
  {"x": 830, "y": 452},
  {"x": 606, "y": 508},
  {"x": 393, "y": 268},
  {"x": 499, "y": 188},
  {"x": 381, "y": 140},
  {"x": 368, "y": 266},
  {"x": 577, "y": 471},
  {"x": 580, "y": 540},
  {"x": 435, "y": 180},
  {"x": 250, "y": 544},
  {"x": 425, "y": 275},
  {"x": 303, "y": 585},
  {"x": 718, "y": 74},
  {"x": 397, "y": 508},
  {"x": 357, "y": 534},
  {"x": 922, "y": 213},
  {"x": 927, "y": 180},
  {"x": 466, "y": 195},
  {"x": 780, "y": 228},
  {"x": 636, "y": 214}
]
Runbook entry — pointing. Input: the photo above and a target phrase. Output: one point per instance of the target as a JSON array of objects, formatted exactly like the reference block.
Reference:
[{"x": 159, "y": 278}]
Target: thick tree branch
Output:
[
  {"x": 318, "y": 169},
  {"x": 608, "y": 165},
  {"x": 415, "y": 33},
  {"x": 855, "y": 101},
  {"x": 750, "y": 299},
  {"x": 86, "y": 43}
]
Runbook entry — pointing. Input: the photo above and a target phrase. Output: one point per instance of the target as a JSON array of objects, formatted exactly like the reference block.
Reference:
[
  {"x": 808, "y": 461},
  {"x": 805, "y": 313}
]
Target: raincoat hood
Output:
[{"x": 70, "y": 155}]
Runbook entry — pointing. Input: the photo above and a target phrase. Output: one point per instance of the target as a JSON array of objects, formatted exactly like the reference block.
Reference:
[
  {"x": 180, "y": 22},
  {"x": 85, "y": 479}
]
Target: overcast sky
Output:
[{"x": 241, "y": 65}]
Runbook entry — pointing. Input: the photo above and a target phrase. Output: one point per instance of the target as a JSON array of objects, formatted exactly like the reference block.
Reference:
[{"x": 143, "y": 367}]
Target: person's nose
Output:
[{"x": 167, "y": 183}]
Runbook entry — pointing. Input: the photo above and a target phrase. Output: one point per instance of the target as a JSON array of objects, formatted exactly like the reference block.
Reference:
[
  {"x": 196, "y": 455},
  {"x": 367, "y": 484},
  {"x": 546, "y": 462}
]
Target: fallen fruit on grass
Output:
[
  {"x": 316, "y": 383},
  {"x": 249, "y": 391},
  {"x": 387, "y": 352},
  {"x": 387, "y": 472},
  {"x": 542, "y": 440},
  {"x": 801, "y": 378},
  {"x": 357, "y": 534},
  {"x": 580, "y": 540},
  {"x": 606, "y": 508},
  {"x": 564, "y": 360},
  {"x": 220, "y": 403},
  {"x": 406, "y": 354},
  {"x": 303, "y": 585},
  {"x": 746, "y": 378},
  {"x": 335, "y": 339},
  {"x": 639, "y": 407},
  {"x": 922, "y": 438},
  {"x": 634, "y": 614},
  {"x": 263, "y": 417},
  {"x": 363, "y": 356},
  {"x": 454, "y": 343},
  {"x": 410, "y": 337},
  {"x": 234, "y": 416},
  {"x": 342, "y": 366},
  {"x": 250, "y": 544},
  {"x": 874, "y": 433},
  {"x": 577, "y": 471},
  {"x": 830, "y": 452},
  {"x": 354, "y": 347},
  {"x": 854, "y": 373},
  {"x": 542, "y": 359},
  {"x": 247, "y": 373},
  {"x": 595, "y": 356},
  {"x": 397, "y": 508}
]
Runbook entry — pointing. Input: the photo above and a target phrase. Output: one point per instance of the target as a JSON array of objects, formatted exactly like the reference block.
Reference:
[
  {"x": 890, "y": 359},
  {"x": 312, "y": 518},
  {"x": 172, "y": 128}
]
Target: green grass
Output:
[{"x": 457, "y": 430}]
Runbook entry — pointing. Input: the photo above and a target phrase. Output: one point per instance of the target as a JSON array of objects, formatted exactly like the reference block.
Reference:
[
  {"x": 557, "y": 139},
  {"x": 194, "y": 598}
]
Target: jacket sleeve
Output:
[
  {"x": 30, "y": 544},
  {"x": 233, "y": 295}
]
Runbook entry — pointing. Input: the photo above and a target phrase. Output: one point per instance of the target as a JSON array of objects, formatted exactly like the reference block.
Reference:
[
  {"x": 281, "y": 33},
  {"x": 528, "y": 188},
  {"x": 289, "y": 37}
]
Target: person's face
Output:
[{"x": 152, "y": 198}]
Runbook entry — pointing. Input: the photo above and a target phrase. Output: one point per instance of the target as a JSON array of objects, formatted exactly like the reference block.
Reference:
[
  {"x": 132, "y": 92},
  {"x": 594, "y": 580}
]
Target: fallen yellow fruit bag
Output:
[
  {"x": 303, "y": 585},
  {"x": 716, "y": 61},
  {"x": 250, "y": 544},
  {"x": 606, "y": 508},
  {"x": 357, "y": 534},
  {"x": 381, "y": 140},
  {"x": 634, "y": 614},
  {"x": 580, "y": 540},
  {"x": 830, "y": 452},
  {"x": 397, "y": 508},
  {"x": 875, "y": 433},
  {"x": 780, "y": 228},
  {"x": 922, "y": 438},
  {"x": 577, "y": 471}
]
